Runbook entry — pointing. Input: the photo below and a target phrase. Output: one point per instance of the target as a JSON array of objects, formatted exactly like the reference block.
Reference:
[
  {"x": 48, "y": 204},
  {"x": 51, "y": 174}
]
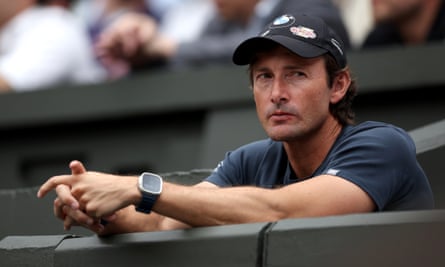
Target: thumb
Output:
[{"x": 77, "y": 167}]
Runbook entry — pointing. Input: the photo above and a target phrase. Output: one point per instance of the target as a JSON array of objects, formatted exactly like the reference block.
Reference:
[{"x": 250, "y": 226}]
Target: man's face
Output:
[
  {"x": 394, "y": 10},
  {"x": 235, "y": 9},
  {"x": 291, "y": 93}
]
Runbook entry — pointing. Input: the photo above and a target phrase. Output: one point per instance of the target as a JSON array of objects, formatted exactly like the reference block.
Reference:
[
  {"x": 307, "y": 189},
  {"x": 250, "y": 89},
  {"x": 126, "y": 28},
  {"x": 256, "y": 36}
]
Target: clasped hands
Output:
[
  {"x": 84, "y": 198},
  {"x": 134, "y": 39}
]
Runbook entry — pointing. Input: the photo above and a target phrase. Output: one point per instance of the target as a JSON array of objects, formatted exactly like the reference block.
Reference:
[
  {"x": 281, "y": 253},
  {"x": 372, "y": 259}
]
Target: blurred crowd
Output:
[{"x": 44, "y": 43}]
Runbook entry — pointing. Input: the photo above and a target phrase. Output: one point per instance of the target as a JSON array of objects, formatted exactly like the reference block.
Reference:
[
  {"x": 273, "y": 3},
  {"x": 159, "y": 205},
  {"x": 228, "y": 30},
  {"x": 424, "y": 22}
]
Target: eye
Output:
[
  {"x": 295, "y": 74},
  {"x": 263, "y": 76}
]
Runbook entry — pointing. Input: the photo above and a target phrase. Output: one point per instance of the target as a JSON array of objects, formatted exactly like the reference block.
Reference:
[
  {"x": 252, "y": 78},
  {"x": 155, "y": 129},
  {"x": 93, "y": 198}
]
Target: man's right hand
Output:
[{"x": 66, "y": 206}]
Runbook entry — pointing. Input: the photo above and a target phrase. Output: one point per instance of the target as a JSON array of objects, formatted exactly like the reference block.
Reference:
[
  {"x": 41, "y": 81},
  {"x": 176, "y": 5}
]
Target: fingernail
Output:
[{"x": 90, "y": 221}]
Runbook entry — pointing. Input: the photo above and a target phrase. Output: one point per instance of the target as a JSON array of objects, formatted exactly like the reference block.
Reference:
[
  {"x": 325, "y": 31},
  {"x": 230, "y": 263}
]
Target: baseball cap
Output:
[{"x": 306, "y": 36}]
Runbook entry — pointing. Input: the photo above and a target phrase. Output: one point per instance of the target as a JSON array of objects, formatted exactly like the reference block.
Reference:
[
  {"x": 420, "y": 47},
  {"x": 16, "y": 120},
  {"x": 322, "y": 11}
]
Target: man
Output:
[
  {"x": 314, "y": 164},
  {"x": 42, "y": 45},
  {"x": 136, "y": 40},
  {"x": 402, "y": 22}
]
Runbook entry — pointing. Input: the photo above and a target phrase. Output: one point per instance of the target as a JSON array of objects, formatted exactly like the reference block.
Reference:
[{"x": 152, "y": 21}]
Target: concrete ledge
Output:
[
  {"x": 234, "y": 245},
  {"x": 29, "y": 251},
  {"x": 412, "y": 238}
]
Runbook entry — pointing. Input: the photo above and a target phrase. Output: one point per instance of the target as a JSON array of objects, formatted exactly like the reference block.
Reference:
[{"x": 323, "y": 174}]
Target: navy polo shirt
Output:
[{"x": 379, "y": 158}]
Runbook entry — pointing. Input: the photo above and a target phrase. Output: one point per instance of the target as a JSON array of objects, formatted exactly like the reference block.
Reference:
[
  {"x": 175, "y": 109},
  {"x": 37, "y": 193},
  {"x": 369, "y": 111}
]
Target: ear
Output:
[{"x": 340, "y": 86}]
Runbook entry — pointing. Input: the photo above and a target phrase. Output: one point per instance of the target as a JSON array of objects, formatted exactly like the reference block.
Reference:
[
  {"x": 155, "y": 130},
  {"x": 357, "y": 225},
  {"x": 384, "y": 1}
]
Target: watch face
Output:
[{"x": 151, "y": 183}]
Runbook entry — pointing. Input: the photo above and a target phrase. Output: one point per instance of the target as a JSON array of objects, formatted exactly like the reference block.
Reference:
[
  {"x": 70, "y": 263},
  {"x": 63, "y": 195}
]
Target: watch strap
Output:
[{"x": 147, "y": 202}]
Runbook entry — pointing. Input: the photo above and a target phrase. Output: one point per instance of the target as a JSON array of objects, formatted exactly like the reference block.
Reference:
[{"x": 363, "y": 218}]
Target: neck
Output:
[
  {"x": 305, "y": 156},
  {"x": 415, "y": 28}
]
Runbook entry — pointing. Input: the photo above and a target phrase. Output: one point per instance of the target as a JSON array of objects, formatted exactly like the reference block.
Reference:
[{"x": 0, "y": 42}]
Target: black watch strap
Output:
[{"x": 146, "y": 203}]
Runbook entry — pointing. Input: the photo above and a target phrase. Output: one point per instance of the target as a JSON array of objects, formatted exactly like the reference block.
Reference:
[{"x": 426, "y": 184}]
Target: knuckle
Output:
[{"x": 92, "y": 210}]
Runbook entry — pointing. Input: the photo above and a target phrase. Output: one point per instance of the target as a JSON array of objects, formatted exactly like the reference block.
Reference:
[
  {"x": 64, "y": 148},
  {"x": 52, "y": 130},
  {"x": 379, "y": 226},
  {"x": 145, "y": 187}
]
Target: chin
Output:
[
  {"x": 284, "y": 134},
  {"x": 283, "y": 137}
]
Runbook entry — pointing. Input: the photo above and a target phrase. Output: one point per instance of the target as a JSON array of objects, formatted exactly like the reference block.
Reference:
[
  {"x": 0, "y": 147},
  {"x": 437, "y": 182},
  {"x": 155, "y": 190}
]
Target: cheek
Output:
[
  {"x": 316, "y": 102},
  {"x": 260, "y": 104}
]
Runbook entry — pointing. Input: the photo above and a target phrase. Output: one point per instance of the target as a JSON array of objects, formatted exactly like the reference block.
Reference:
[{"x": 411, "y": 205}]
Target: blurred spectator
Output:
[
  {"x": 179, "y": 14},
  {"x": 357, "y": 16},
  {"x": 406, "y": 22},
  {"x": 100, "y": 14},
  {"x": 137, "y": 39},
  {"x": 42, "y": 45},
  {"x": 161, "y": 7}
]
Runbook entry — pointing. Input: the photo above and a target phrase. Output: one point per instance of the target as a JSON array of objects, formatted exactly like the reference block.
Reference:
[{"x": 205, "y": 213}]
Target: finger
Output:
[
  {"x": 68, "y": 223},
  {"x": 110, "y": 218},
  {"x": 102, "y": 46},
  {"x": 58, "y": 209},
  {"x": 97, "y": 227},
  {"x": 77, "y": 167},
  {"x": 130, "y": 44},
  {"x": 65, "y": 196},
  {"x": 52, "y": 183},
  {"x": 78, "y": 216}
]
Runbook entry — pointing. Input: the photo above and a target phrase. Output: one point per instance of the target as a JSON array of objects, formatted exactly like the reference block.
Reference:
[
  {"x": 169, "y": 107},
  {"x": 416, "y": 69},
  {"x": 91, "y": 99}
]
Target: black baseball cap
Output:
[{"x": 306, "y": 36}]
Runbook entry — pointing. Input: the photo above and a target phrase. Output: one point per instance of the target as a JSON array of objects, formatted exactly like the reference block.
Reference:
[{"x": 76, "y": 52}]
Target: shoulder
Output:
[
  {"x": 380, "y": 130},
  {"x": 378, "y": 138}
]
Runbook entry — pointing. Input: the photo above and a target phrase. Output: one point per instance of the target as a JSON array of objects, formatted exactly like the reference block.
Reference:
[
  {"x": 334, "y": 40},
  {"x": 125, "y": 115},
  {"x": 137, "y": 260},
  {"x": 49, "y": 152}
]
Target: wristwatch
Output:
[{"x": 150, "y": 185}]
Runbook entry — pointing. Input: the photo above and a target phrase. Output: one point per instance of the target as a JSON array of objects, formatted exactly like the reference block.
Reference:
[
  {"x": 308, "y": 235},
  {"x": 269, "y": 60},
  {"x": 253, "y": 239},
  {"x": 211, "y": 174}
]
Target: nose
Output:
[{"x": 279, "y": 93}]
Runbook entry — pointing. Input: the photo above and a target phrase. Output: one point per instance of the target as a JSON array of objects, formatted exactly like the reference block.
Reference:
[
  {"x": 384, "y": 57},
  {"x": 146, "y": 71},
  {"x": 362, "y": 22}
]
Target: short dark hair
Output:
[{"x": 341, "y": 110}]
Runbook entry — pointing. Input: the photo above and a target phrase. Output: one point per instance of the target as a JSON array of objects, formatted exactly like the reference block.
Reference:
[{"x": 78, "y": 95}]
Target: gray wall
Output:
[
  {"x": 173, "y": 122},
  {"x": 379, "y": 239},
  {"x": 178, "y": 121}
]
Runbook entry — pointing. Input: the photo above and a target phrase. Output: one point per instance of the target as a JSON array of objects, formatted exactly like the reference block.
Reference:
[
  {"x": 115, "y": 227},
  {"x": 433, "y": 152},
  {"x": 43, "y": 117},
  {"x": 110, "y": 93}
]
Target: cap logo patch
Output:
[
  {"x": 282, "y": 21},
  {"x": 304, "y": 32}
]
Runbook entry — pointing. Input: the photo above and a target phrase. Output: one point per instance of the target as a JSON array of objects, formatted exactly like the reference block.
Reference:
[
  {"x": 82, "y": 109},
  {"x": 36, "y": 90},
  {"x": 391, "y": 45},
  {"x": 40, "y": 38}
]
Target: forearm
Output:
[
  {"x": 320, "y": 196},
  {"x": 128, "y": 220},
  {"x": 217, "y": 206}
]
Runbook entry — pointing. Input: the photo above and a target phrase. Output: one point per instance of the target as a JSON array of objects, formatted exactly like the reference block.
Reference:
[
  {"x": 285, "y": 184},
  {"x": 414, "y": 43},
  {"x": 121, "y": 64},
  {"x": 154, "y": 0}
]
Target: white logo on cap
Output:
[
  {"x": 282, "y": 20},
  {"x": 304, "y": 32}
]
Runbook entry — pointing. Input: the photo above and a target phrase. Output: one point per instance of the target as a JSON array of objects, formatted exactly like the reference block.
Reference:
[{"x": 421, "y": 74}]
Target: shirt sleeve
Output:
[{"x": 380, "y": 161}]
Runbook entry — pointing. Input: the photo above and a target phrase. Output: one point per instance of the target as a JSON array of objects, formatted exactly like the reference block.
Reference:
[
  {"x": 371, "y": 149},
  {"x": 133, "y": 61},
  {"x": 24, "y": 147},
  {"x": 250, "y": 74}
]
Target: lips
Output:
[{"x": 280, "y": 115}]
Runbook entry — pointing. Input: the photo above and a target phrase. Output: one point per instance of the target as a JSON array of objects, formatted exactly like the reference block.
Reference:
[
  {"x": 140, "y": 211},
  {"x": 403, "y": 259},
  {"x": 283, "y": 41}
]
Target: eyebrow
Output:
[{"x": 286, "y": 67}]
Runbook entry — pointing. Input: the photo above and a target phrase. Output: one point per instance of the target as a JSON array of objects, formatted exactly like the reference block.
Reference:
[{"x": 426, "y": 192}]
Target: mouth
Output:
[{"x": 279, "y": 115}]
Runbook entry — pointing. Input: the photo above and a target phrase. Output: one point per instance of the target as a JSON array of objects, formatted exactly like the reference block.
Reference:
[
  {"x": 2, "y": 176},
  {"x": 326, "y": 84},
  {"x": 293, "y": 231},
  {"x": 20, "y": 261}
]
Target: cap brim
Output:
[{"x": 247, "y": 50}]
